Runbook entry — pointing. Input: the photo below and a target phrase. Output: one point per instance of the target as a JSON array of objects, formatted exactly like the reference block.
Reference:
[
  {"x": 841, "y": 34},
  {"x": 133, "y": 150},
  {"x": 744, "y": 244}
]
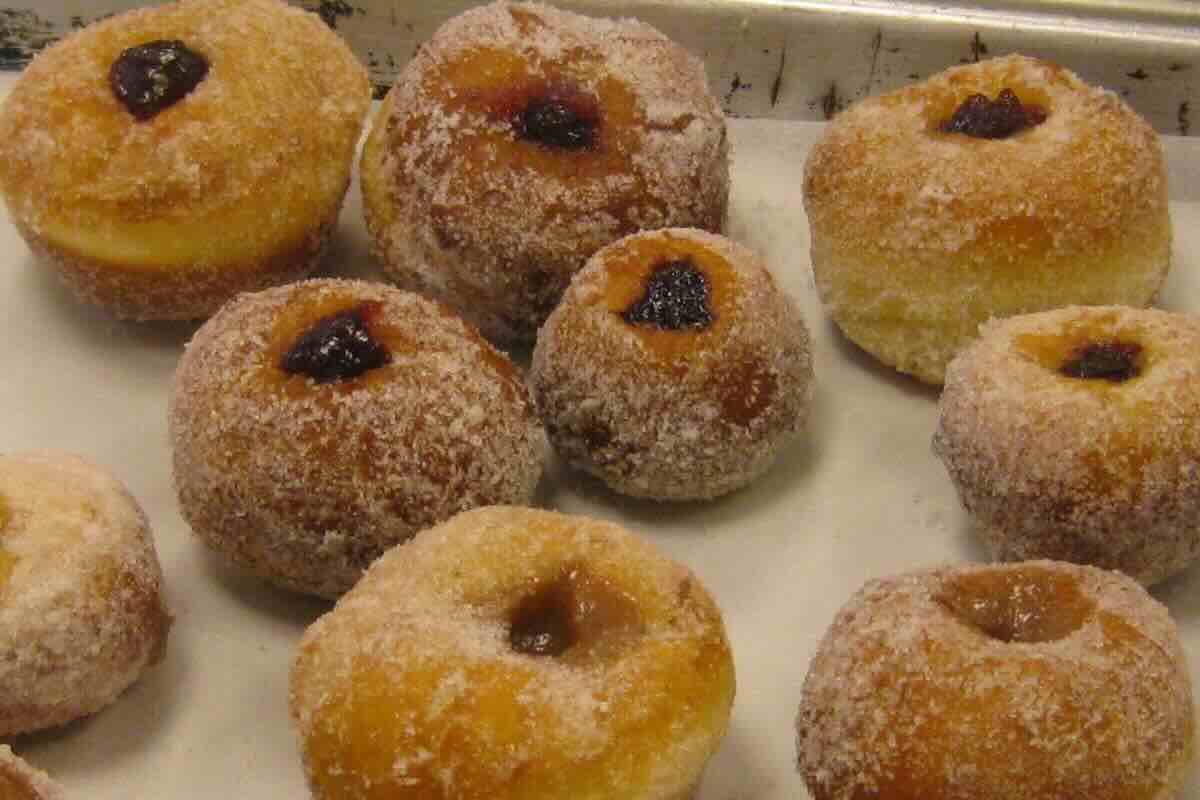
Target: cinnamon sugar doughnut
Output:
[
  {"x": 1038, "y": 681},
  {"x": 922, "y": 229},
  {"x": 1072, "y": 434},
  {"x": 81, "y": 607},
  {"x": 514, "y": 653},
  {"x": 521, "y": 139},
  {"x": 316, "y": 425},
  {"x": 167, "y": 158},
  {"x": 19, "y": 781},
  {"x": 674, "y": 368}
]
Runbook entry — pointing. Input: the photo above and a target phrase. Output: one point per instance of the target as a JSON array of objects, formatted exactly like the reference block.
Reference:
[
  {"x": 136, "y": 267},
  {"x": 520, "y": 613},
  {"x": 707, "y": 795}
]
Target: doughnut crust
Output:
[
  {"x": 411, "y": 687},
  {"x": 1041, "y": 681},
  {"x": 20, "y": 781},
  {"x": 1089, "y": 470},
  {"x": 673, "y": 412},
  {"x": 81, "y": 606},
  {"x": 233, "y": 188},
  {"x": 465, "y": 205},
  {"x": 918, "y": 236},
  {"x": 306, "y": 482}
]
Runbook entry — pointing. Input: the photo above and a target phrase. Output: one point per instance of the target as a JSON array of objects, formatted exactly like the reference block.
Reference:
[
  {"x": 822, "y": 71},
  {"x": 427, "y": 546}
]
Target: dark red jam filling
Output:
[
  {"x": 337, "y": 347},
  {"x": 562, "y": 122},
  {"x": 676, "y": 298},
  {"x": 1110, "y": 361},
  {"x": 984, "y": 118},
  {"x": 156, "y": 75},
  {"x": 544, "y": 622}
]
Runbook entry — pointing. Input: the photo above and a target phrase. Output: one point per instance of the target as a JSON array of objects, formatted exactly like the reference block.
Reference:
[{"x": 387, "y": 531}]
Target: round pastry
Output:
[
  {"x": 1039, "y": 680},
  {"x": 81, "y": 606},
  {"x": 1071, "y": 434},
  {"x": 316, "y": 425},
  {"x": 167, "y": 158},
  {"x": 674, "y": 368},
  {"x": 519, "y": 141},
  {"x": 991, "y": 189},
  {"x": 513, "y": 653},
  {"x": 19, "y": 781}
]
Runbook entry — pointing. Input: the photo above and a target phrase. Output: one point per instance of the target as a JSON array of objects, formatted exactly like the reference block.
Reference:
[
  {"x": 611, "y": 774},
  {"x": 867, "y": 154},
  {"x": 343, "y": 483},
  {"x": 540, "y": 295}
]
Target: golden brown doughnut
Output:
[
  {"x": 81, "y": 606},
  {"x": 674, "y": 368},
  {"x": 1040, "y": 681},
  {"x": 20, "y": 781},
  {"x": 919, "y": 235},
  {"x": 514, "y": 653},
  {"x": 1072, "y": 434},
  {"x": 305, "y": 474},
  {"x": 235, "y": 186},
  {"x": 521, "y": 139}
]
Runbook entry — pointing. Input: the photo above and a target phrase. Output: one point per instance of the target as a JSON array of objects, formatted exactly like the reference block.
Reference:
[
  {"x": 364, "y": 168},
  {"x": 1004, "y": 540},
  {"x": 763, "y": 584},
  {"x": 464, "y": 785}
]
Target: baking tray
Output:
[{"x": 860, "y": 496}]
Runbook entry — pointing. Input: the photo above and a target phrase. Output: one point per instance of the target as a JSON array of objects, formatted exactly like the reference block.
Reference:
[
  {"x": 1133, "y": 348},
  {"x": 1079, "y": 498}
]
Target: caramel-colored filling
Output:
[{"x": 1029, "y": 604}]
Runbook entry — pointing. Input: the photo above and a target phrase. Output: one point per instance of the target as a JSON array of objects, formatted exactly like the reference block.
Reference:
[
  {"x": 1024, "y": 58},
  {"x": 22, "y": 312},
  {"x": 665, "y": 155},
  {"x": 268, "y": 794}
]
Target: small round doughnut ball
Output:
[
  {"x": 1073, "y": 434},
  {"x": 1040, "y": 680},
  {"x": 20, "y": 781},
  {"x": 514, "y": 653},
  {"x": 674, "y": 368},
  {"x": 81, "y": 606},
  {"x": 315, "y": 425},
  {"x": 520, "y": 140},
  {"x": 990, "y": 189},
  {"x": 165, "y": 159}
]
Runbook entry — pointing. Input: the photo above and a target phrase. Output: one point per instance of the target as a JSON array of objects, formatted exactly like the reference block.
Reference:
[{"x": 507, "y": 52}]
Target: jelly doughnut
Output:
[
  {"x": 990, "y": 189},
  {"x": 1072, "y": 434},
  {"x": 81, "y": 606},
  {"x": 1041, "y": 681},
  {"x": 167, "y": 158},
  {"x": 20, "y": 781},
  {"x": 674, "y": 368},
  {"x": 315, "y": 425},
  {"x": 515, "y": 653},
  {"x": 521, "y": 139}
]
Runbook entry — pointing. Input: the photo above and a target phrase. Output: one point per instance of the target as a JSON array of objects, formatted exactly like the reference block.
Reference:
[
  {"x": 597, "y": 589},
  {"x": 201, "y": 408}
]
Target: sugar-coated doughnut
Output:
[
  {"x": 674, "y": 368},
  {"x": 20, "y": 781},
  {"x": 315, "y": 425},
  {"x": 521, "y": 139},
  {"x": 81, "y": 606},
  {"x": 1040, "y": 681},
  {"x": 1074, "y": 434},
  {"x": 167, "y": 158},
  {"x": 922, "y": 228},
  {"x": 515, "y": 653}
]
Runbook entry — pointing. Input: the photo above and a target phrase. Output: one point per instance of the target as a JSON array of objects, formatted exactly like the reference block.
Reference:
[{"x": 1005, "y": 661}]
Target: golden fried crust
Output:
[
  {"x": 918, "y": 236},
  {"x": 20, "y": 781},
  {"x": 235, "y": 185},
  {"x": 410, "y": 688}
]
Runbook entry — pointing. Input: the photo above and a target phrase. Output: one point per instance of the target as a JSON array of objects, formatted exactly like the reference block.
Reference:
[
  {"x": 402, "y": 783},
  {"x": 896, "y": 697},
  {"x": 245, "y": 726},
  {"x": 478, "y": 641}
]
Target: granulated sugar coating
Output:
[
  {"x": 307, "y": 482},
  {"x": 234, "y": 187},
  {"x": 1038, "y": 681},
  {"x": 20, "y": 781},
  {"x": 520, "y": 140},
  {"x": 81, "y": 607},
  {"x": 918, "y": 235},
  {"x": 411, "y": 689},
  {"x": 1099, "y": 470},
  {"x": 673, "y": 414}
]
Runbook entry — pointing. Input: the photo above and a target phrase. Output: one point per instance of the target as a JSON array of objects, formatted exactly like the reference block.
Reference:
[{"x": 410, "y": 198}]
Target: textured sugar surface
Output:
[
  {"x": 1096, "y": 717},
  {"x": 28, "y": 782},
  {"x": 1059, "y": 467}
]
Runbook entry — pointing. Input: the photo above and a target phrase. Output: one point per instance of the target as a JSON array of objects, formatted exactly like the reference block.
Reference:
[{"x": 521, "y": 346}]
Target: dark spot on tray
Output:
[
  {"x": 331, "y": 11},
  {"x": 832, "y": 102},
  {"x": 1177, "y": 67},
  {"x": 1183, "y": 117},
  {"x": 22, "y": 35},
  {"x": 1138, "y": 74},
  {"x": 379, "y": 90}
]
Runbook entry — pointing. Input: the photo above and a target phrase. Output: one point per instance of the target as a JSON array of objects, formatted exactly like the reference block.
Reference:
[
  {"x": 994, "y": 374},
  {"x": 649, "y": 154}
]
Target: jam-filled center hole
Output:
[
  {"x": 676, "y": 296},
  {"x": 338, "y": 347},
  {"x": 562, "y": 119},
  {"x": 1114, "y": 361},
  {"x": 576, "y": 616},
  {"x": 981, "y": 117},
  {"x": 1017, "y": 605},
  {"x": 154, "y": 76}
]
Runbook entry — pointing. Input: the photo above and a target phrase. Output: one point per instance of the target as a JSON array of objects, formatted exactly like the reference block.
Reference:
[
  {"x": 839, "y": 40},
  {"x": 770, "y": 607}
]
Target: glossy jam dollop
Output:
[
  {"x": 983, "y": 118},
  {"x": 154, "y": 76},
  {"x": 676, "y": 297},
  {"x": 337, "y": 347},
  {"x": 1114, "y": 361}
]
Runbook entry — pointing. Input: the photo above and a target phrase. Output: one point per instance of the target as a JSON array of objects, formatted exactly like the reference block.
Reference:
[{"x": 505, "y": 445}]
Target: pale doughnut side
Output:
[
  {"x": 20, "y": 781},
  {"x": 918, "y": 236}
]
